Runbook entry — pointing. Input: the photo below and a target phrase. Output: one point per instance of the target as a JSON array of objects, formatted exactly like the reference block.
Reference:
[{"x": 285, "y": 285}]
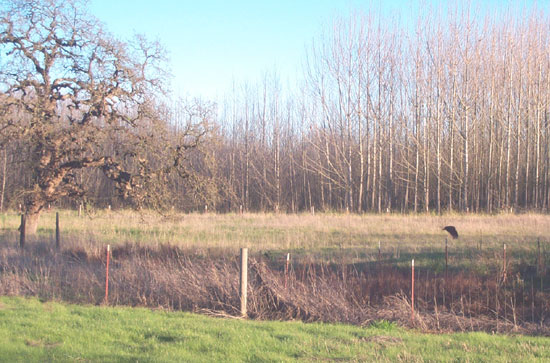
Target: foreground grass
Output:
[{"x": 34, "y": 331}]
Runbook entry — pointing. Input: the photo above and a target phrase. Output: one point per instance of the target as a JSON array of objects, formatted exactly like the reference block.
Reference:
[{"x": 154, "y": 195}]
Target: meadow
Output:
[
  {"x": 269, "y": 231},
  {"x": 339, "y": 238}
]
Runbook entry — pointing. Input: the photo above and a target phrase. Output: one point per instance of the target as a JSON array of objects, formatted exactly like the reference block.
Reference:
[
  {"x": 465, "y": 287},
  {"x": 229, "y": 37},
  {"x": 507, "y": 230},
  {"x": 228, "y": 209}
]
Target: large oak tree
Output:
[{"x": 75, "y": 98}]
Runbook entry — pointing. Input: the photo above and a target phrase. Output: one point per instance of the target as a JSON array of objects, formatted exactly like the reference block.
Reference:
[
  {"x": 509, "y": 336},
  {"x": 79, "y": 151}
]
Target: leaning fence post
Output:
[
  {"x": 412, "y": 290},
  {"x": 57, "y": 231},
  {"x": 244, "y": 279},
  {"x": 22, "y": 232}
]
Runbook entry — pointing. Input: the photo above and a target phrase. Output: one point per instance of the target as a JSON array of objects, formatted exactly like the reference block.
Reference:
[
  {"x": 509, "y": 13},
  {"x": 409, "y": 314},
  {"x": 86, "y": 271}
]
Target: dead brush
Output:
[{"x": 170, "y": 277}]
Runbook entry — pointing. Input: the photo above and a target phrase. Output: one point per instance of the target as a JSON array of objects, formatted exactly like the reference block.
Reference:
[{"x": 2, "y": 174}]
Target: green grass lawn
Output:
[{"x": 31, "y": 330}]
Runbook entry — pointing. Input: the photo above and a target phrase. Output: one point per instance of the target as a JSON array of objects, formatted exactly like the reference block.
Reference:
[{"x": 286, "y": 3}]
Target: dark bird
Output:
[{"x": 452, "y": 231}]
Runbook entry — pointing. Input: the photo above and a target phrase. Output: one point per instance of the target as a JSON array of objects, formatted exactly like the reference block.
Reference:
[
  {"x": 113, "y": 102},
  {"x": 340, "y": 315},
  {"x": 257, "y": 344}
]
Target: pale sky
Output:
[{"x": 213, "y": 43}]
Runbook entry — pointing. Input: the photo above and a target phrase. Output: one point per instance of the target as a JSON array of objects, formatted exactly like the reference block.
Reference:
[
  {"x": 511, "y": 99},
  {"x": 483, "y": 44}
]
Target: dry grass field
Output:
[{"x": 267, "y": 231}]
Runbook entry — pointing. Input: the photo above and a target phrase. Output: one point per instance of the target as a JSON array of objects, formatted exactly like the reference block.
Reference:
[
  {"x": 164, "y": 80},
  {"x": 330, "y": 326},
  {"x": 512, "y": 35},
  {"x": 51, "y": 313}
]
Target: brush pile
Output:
[{"x": 169, "y": 277}]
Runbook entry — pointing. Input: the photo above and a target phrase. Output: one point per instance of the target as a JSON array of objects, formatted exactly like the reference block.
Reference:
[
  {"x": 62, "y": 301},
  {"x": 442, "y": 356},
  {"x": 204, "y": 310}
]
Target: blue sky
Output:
[{"x": 213, "y": 43}]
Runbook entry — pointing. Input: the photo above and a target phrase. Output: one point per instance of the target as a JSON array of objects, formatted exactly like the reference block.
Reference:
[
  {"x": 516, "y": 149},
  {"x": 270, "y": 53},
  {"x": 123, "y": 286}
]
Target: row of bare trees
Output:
[{"x": 451, "y": 113}]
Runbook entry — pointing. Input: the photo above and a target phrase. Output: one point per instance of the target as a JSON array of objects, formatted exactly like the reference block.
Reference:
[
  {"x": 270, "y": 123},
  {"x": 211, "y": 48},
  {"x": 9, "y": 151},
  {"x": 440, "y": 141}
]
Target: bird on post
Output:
[{"x": 452, "y": 231}]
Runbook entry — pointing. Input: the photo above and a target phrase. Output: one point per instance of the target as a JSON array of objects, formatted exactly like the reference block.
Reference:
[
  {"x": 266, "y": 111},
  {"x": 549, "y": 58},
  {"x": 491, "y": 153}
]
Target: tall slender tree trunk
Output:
[
  {"x": 537, "y": 144},
  {"x": 490, "y": 173},
  {"x": 466, "y": 131},
  {"x": 509, "y": 138},
  {"x": 4, "y": 169},
  {"x": 350, "y": 169},
  {"x": 263, "y": 148},
  {"x": 379, "y": 207},
  {"x": 501, "y": 181},
  {"x": 277, "y": 165},
  {"x": 360, "y": 118},
  {"x": 518, "y": 146},
  {"x": 426, "y": 157},
  {"x": 327, "y": 157},
  {"x": 368, "y": 151},
  {"x": 452, "y": 144},
  {"x": 375, "y": 163},
  {"x": 391, "y": 131},
  {"x": 527, "y": 187},
  {"x": 438, "y": 139},
  {"x": 417, "y": 139},
  {"x": 407, "y": 180}
]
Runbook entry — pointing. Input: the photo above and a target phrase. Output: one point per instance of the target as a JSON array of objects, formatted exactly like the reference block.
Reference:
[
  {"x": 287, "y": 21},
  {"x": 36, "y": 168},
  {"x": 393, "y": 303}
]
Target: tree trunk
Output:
[
  {"x": 31, "y": 223},
  {"x": 518, "y": 148},
  {"x": 537, "y": 145},
  {"x": 390, "y": 181},
  {"x": 490, "y": 172},
  {"x": 426, "y": 157},
  {"x": 508, "y": 139},
  {"x": 3, "y": 179},
  {"x": 451, "y": 141}
]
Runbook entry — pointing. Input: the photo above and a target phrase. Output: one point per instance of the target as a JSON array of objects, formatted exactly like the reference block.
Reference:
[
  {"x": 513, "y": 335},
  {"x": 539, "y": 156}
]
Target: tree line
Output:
[{"x": 448, "y": 114}]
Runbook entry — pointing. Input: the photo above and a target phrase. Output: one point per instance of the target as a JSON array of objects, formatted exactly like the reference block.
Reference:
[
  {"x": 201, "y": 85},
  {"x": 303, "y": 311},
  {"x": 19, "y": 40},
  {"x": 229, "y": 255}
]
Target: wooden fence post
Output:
[
  {"x": 504, "y": 263},
  {"x": 244, "y": 279},
  {"x": 539, "y": 257},
  {"x": 379, "y": 252},
  {"x": 446, "y": 260},
  {"x": 57, "y": 231},
  {"x": 286, "y": 268},
  {"x": 412, "y": 290},
  {"x": 22, "y": 232},
  {"x": 107, "y": 276}
]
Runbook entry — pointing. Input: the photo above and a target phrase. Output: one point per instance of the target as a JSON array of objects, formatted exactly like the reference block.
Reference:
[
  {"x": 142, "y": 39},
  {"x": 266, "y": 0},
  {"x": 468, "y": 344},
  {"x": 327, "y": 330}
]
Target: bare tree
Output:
[{"x": 79, "y": 99}]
